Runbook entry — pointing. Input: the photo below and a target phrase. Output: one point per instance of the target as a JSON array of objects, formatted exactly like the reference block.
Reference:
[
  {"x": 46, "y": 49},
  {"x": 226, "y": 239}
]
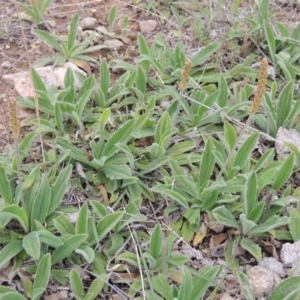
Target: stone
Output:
[
  {"x": 6, "y": 65},
  {"x": 147, "y": 26},
  {"x": 91, "y": 35},
  {"x": 113, "y": 44},
  {"x": 286, "y": 135},
  {"x": 261, "y": 281},
  {"x": 49, "y": 75},
  {"x": 290, "y": 253},
  {"x": 272, "y": 264},
  {"x": 89, "y": 23}
]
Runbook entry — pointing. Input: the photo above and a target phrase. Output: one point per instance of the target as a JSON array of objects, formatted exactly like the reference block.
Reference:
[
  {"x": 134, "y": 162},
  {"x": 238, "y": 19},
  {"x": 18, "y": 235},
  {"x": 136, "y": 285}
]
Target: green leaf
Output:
[
  {"x": 59, "y": 188},
  {"x": 271, "y": 223},
  {"x": 70, "y": 245},
  {"x": 42, "y": 276},
  {"x": 203, "y": 281},
  {"x": 269, "y": 34},
  {"x": 24, "y": 147},
  {"x": 156, "y": 242},
  {"x": 37, "y": 81},
  {"x": 58, "y": 118},
  {"x": 12, "y": 296},
  {"x": 181, "y": 200},
  {"x": 186, "y": 284},
  {"x": 246, "y": 225},
  {"x": 112, "y": 17},
  {"x": 250, "y": 194},
  {"x": 76, "y": 153},
  {"x": 245, "y": 151},
  {"x": 96, "y": 287},
  {"x": 73, "y": 32},
  {"x": 141, "y": 81},
  {"x": 251, "y": 247},
  {"x": 5, "y": 188},
  {"x": 230, "y": 134},
  {"x": 82, "y": 221},
  {"x": 76, "y": 284},
  {"x": 18, "y": 213},
  {"x": 41, "y": 203},
  {"x": 205, "y": 53},
  {"x": 121, "y": 135},
  {"x": 9, "y": 251},
  {"x": 162, "y": 286},
  {"x": 245, "y": 286},
  {"x": 49, "y": 238},
  {"x": 284, "y": 173},
  {"x": 294, "y": 224},
  {"x": 223, "y": 87},
  {"x": 49, "y": 39},
  {"x": 32, "y": 244},
  {"x": 105, "y": 225},
  {"x": 224, "y": 216},
  {"x": 284, "y": 105},
  {"x": 104, "y": 78},
  {"x": 284, "y": 288},
  {"x": 87, "y": 253},
  {"x": 163, "y": 130},
  {"x": 143, "y": 50},
  {"x": 85, "y": 94},
  {"x": 207, "y": 165},
  {"x": 63, "y": 225}
]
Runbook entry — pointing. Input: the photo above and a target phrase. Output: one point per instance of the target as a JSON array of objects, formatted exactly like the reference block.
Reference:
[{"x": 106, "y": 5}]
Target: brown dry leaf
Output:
[
  {"x": 200, "y": 235},
  {"x": 124, "y": 277},
  {"x": 145, "y": 142},
  {"x": 4, "y": 273},
  {"x": 268, "y": 246},
  {"x": 104, "y": 193},
  {"x": 82, "y": 65},
  {"x": 62, "y": 295},
  {"x": 215, "y": 226},
  {"x": 217, "y": 240}
]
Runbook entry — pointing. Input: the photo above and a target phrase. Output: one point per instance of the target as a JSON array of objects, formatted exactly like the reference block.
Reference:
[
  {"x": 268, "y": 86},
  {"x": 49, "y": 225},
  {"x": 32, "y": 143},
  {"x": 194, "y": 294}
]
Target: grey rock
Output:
[
  {"x": 148, "y": 26},
  {"x": 113, "y": 44},
  {"x": 272, "y": 264},
  {"x": 6, "y": 65},
  {"x": 261, "y": 281},
  {"x": 89, "y": 23},
  {"x": 290, "y": 253}
]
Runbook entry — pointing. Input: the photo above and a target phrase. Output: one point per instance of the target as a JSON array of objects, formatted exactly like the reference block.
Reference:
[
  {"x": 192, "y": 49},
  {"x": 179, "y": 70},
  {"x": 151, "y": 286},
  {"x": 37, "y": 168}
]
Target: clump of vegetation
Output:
[{"x": 159, "y": 142}]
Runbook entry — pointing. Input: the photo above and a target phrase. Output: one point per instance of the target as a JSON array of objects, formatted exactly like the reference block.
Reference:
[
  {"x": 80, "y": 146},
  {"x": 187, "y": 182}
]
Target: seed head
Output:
[
  {"x": 185, "y": 74},
  {"x": 261, "y": 87},
  {"x": 13, "y": 118}
]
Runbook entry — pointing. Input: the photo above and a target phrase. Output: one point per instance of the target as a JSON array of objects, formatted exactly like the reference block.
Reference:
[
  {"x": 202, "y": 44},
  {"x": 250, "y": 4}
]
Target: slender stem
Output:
[{"x": 18, "y": 158}]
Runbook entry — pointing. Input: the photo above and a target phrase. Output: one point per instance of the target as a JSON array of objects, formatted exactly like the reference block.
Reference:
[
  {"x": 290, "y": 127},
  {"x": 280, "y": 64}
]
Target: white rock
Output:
[
  {"x": 49, "y": 75},
  {"x": 113, "y": 44},
  {"x": 89, "y": 23},
  {"x": 272, "y": 264},
  {"x": 286, "y": 135},
  {"x": 290, "y": 253},
  {"x": 148, "y": 26},
  {"x": 6, "y": 64},
  {"x": 261, "y": 281}
]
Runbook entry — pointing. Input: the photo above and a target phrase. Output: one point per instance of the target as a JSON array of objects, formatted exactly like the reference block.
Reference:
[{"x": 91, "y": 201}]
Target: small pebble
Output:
[{"x": 6, "y": 65}]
